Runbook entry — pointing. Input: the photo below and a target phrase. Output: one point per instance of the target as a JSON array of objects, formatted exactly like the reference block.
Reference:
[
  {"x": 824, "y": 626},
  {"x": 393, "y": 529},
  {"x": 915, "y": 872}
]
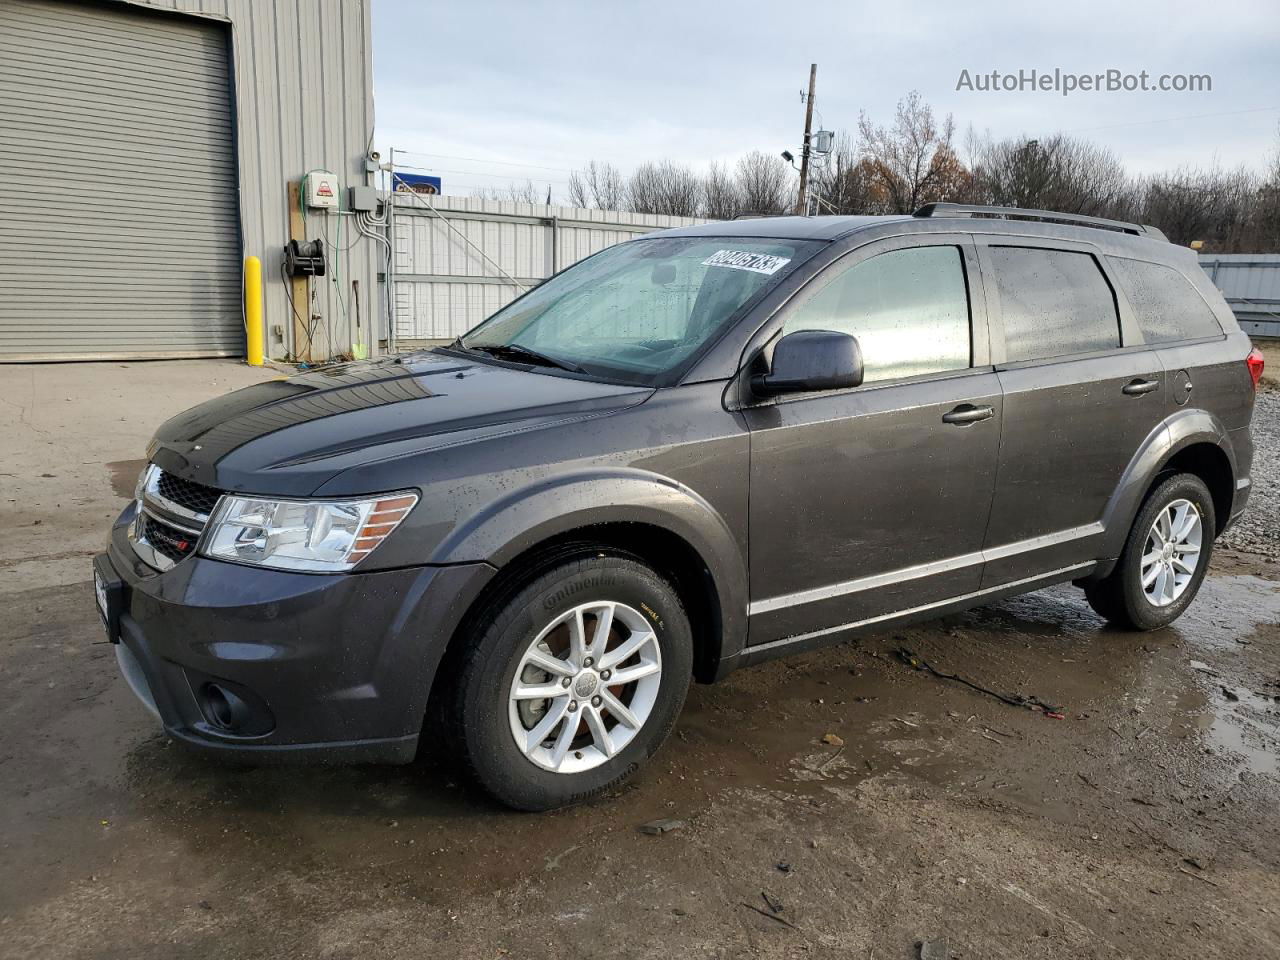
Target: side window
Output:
[
  {"x": 908, "y": 308},
  {"x": 1055, "y": 303},
  {"x": 1164, "y": 301}
]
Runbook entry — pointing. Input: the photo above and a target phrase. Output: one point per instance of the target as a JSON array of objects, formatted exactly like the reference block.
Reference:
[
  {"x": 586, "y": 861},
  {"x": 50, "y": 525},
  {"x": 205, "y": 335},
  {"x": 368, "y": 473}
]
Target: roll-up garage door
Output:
[{"x": 119, "y": 230}]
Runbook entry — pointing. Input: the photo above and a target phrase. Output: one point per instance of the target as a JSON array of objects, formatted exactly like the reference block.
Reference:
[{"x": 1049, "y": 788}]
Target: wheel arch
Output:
[
  {"x": 1210, "y": 463},
  {"x": 1191, "y": 440},
  {"x": 659, "y": 522}
]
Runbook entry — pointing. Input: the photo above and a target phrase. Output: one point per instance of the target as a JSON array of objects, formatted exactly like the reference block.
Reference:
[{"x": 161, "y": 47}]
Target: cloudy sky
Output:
[{"x": 485, "y": 92}]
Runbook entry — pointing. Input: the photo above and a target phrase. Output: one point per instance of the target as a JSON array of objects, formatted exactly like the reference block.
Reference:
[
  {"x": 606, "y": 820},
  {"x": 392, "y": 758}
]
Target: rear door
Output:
[
  {"x": 866, "y": 501},
  {"x": 1082, "y": 391}
]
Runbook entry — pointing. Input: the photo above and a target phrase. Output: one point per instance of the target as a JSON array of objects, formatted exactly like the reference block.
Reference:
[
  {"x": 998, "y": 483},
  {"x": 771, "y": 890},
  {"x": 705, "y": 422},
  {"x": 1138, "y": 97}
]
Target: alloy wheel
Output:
[
  {"x": 1171, "y": 553},
  {"x": 585, "y": 686}
]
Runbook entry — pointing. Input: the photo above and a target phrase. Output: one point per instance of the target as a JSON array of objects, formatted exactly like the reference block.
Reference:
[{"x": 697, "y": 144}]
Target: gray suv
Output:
[{"x": 685, "y": 454}]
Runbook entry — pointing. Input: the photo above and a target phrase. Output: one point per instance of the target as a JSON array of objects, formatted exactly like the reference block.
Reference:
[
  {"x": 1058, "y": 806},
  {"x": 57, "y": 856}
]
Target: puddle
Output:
[
  {"x": 1227, "y": 609},
  {"x": 124, "y": 476},
  {"x": 1247, "y": 727}
]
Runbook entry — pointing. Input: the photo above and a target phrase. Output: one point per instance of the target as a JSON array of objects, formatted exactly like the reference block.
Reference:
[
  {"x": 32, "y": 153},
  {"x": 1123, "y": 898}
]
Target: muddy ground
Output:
[{"x": 1141, "y": 824}]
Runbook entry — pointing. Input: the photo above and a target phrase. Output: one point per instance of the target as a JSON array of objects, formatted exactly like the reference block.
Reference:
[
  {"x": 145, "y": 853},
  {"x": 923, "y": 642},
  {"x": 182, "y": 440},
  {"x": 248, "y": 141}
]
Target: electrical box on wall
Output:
[
  {"x": 362, "y": 199},
  {"x": 322, "y": 189}
]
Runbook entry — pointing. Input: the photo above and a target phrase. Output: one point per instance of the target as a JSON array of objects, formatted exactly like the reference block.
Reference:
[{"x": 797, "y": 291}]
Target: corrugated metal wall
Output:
[
  {"x": 1251, "y": 284},
  {"x": 456, "y": 257},
  {"x": 303, "y": 101},
  {"x": 119, "y": 208}
]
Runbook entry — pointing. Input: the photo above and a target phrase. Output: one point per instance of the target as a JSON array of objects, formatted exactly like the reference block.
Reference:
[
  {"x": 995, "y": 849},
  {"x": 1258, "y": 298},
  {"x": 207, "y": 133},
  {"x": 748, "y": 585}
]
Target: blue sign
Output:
[{"x": 417, "y": 183}]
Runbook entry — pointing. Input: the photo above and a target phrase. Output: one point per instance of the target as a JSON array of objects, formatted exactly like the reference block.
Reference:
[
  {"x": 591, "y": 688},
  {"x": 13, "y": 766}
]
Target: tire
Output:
[
  {"x": 532, "y": 630},
  {"x": 1121, "y": 597}
]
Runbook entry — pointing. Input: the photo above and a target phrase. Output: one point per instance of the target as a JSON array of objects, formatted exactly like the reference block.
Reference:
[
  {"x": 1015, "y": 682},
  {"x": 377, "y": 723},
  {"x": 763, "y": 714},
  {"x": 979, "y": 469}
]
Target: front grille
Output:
[
  {"x": 170, "y": 542},
  {"x": 172, "y": 513},
  {"x": 187, "y": 493}
]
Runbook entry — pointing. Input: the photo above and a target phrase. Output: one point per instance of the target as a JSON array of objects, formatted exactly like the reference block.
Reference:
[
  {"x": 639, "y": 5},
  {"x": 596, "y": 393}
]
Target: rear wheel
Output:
[
  {"x": 1165, "y": 558},
  {"x": 573, "y": 683}
]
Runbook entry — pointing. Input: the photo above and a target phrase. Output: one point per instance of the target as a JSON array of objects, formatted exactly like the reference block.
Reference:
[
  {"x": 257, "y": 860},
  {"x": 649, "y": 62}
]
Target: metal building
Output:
[{"x": 147, "y": 147}]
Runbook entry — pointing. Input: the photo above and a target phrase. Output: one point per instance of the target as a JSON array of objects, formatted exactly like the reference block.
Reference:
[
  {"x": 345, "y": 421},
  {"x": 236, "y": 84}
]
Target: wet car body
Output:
[{"x": 785, "y": 523}]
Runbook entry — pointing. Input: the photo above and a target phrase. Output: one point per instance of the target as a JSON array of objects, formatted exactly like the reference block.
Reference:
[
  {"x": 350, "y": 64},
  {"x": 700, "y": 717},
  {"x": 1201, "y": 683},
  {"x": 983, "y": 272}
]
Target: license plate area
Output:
[{"x": 108, "y": 594}]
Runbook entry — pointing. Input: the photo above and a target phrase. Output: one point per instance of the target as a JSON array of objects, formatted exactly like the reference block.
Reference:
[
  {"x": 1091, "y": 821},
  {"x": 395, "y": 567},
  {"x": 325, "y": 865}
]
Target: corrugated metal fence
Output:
[
  {"x": 459, "y": 259},
  {"x": 1251, "y": 284}
]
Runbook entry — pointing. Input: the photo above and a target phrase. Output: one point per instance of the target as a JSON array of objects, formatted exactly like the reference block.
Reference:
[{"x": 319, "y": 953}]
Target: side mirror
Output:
[{"x": 811, "y": 360}]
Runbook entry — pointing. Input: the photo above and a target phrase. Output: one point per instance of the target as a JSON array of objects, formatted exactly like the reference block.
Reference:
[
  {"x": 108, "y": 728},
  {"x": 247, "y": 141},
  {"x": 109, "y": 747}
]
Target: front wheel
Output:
[
  {"x": 573, "y": 683},
  {"x": 1165, "y": 558}
]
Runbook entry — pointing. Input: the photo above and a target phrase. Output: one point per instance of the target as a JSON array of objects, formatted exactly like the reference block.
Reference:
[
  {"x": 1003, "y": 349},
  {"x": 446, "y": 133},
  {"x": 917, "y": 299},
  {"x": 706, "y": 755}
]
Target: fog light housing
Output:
[{"x": 230, "y": 709}]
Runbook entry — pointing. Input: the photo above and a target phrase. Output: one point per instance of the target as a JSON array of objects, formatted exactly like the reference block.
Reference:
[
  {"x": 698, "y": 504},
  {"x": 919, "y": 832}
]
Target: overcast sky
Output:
[{"x": 484, "y": 92}]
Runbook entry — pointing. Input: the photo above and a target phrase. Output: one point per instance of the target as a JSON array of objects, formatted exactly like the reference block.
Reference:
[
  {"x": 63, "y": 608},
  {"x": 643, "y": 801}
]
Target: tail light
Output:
[{"x": 1255, "y": 362}]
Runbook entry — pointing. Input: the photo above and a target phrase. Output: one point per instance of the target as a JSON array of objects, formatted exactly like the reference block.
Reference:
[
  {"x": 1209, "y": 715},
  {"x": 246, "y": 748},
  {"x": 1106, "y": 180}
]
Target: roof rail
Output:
[{"x": 1017, "y": 213}]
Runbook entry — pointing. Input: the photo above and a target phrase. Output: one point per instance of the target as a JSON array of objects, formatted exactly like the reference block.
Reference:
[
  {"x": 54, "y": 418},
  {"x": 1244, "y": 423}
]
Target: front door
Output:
[{"x": 874, "y": 500}]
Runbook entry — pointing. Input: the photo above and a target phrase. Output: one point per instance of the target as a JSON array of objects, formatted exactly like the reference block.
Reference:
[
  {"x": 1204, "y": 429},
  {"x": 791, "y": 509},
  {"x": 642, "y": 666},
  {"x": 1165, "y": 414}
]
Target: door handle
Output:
[
  {"x": 967, "y": 413},
  {"x": 1136, "y": 388}
]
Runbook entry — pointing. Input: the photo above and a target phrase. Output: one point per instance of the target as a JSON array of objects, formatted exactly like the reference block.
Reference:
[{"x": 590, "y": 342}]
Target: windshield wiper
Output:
[{"x": 511, "y": 351}]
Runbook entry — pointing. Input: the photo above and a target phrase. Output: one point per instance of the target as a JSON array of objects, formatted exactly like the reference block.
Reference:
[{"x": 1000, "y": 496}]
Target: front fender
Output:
[
  {"x": 1176, "y": 432},
  {"x": 504, "y": 528}
]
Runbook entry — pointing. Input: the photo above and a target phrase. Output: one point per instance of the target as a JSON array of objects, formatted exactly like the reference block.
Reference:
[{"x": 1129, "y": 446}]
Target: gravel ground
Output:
[{"x": 1258, "y": 531}]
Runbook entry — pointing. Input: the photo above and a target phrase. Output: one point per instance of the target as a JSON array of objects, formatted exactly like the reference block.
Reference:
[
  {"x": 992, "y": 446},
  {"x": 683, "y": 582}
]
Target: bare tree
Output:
[
  {"x": 527, "y": 192},
  {"x": 579, "y": 192},
  {"x": 906, "y": 157},
  {"x": 897, "y": 168},
  {"x": 1265, "y": 234},
  {"x": 665, "y": 187},
  {"x": 1214, "y": 206},
  {"x": 764, "y": 184},
  {"x": 598, "y": 185},
  {"x": 721, "y": 199},
  {"x": 1052, "y": 173},
  {"x": 842, "y": 182}
]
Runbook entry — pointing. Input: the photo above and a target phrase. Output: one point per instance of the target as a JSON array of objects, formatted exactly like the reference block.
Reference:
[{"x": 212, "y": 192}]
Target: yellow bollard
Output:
[{"x": 254, "y": 328}]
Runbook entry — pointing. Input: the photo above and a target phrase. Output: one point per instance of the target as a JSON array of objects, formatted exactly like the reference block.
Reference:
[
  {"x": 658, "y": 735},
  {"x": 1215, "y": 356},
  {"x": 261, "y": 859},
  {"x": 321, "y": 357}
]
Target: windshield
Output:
[{"x": 638, "y": 311}]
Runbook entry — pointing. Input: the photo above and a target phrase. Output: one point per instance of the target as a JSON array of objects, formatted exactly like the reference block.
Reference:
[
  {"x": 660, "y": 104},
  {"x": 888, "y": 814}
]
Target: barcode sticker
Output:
[{"x": 741, "y": 260}]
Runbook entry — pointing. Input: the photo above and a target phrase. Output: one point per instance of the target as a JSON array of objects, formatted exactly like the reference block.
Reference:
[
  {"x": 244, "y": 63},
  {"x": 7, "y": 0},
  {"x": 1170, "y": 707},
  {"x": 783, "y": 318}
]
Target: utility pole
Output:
[{"x": 802, "y": 201}]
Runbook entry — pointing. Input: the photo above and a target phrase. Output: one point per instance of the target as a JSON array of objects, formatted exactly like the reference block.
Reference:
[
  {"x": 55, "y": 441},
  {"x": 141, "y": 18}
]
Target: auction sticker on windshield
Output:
[{"x": 742, "y": 260}]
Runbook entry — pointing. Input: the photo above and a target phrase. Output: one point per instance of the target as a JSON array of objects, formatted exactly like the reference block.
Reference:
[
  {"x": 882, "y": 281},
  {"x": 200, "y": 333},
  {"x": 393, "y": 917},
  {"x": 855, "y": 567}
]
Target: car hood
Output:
[{"x": 290, "y": 436}]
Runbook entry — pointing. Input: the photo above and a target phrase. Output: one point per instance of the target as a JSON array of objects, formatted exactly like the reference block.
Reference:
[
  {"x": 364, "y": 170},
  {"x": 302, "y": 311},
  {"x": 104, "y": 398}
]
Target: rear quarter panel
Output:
[{"x": 1220, "y": 380}]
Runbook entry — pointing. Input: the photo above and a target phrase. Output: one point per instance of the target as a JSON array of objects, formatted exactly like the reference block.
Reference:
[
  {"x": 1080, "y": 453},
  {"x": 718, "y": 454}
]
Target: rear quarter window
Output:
[
  {"x": 1054, "y": 302},
  {"x": 1165, "y": 303}
]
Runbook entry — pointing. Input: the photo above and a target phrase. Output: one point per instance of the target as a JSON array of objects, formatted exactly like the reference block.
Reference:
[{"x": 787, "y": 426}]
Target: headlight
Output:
[{"x": 319, "y": 535}]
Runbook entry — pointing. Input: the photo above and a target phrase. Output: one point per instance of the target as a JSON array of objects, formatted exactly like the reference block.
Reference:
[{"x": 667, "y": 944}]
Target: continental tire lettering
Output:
[
  {"x": 652, "y": 613},
  {"x": 564, "y": 593}
]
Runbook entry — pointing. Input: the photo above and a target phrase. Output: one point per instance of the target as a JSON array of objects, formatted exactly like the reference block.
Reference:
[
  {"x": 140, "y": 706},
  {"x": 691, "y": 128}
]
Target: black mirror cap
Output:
[{"x": 811, "y": 360}]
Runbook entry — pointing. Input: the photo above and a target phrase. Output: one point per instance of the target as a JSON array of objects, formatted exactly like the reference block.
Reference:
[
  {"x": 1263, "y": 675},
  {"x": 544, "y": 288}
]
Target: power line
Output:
[
  {"x": 498, "y": 163},
  {"x": 477, "y": 173},
  {"x": 1198, "y": 116}
]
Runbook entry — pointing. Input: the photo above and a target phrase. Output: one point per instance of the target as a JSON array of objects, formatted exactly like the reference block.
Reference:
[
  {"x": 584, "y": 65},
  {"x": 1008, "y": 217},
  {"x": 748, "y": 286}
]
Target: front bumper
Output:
[{"x": 273, "y": 665}]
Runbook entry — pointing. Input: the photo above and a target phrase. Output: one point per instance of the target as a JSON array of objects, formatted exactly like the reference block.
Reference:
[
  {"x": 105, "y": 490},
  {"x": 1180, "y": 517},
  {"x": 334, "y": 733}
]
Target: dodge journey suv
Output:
[{"x": 687, "y": 453}]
